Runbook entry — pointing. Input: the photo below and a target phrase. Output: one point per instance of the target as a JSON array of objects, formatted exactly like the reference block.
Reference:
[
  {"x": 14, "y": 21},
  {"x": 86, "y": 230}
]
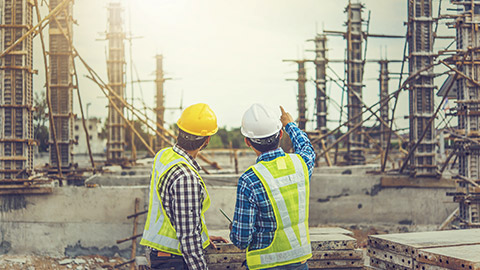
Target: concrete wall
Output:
[{"x": 78, "y": 221}]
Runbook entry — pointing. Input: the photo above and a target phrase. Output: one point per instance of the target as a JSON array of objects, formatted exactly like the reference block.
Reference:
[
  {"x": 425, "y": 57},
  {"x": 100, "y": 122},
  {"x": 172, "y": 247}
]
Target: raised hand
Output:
[{"x": 286, "y": 117}]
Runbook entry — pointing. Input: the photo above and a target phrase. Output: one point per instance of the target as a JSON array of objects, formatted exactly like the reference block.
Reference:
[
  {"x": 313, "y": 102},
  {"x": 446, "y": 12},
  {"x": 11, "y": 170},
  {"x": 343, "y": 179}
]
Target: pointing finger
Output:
[{"x": 281, "y": 109}]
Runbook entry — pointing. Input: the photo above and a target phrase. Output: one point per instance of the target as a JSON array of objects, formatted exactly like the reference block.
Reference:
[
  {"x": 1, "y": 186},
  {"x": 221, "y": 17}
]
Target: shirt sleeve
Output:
[
  {"x": 186, "y": 206},
  {"x": 245, "y": 212},
  {"x": 301, "y": 145}
]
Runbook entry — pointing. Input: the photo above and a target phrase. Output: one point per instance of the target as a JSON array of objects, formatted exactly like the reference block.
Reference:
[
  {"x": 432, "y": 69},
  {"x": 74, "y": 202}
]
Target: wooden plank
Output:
[
  {"x": 415, "y": 182},
  {"x": 425, "y": 266},
  {"x": 226, "y": 258},
  {"x": 26, "y": 191},
  {"x": 332, "y": 242},
  {"x": 390, "y": 257},
  {"x": 329, "y": 230},
  {"x": 225, "y": 266},
  {"x": 379, "y": 264},
  {"x": 335, "y": 264},
  {"x": 326, "y": 255}
]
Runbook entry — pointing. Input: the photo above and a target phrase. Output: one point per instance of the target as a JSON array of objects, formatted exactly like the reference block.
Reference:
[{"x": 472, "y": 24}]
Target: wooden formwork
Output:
[
  {"x": 16, "y": 102},
  {"x": 61, "y": 85}
]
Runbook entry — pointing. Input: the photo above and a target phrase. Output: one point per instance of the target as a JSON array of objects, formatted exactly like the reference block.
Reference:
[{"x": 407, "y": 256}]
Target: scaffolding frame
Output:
[
  {"x": 116, "y": 81},
  {"x": 16, "y": 97},
  {"x": 468, "y": 113},
  {"x": 354, "y": 70},
  {"x": 421, "y": 90},
  {"x": 61, "y": 85}
]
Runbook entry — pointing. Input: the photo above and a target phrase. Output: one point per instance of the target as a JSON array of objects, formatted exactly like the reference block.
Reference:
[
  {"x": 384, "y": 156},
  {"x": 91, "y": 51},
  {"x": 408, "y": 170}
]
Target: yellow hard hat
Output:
[{"x": 198, "y": 119}]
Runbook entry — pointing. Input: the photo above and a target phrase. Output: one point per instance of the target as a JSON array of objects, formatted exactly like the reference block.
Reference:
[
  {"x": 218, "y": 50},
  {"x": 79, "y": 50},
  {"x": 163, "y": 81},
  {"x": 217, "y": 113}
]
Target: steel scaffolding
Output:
[
  {"x": 421, "y": 103},
  {"x": 468, "y": 111},
  {"x": 16, "y": 102},
  {"x": 383, "y": 83},
  {"x": 355, "y": 63},
  {"x": 160, "y": 102},
  {"x": 320, "y": 82},
  {"x": 61, "y": 85},
  {"x": 116, "y": 81}
]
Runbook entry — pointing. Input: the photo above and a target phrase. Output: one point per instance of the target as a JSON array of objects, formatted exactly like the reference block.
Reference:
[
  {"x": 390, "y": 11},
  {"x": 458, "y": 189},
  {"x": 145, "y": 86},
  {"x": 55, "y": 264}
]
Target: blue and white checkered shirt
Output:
[{"x": 254, "y": 222}]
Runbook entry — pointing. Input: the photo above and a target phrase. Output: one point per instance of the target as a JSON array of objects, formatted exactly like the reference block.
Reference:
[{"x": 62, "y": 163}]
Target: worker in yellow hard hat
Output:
[{"x": 175, "y": 233}]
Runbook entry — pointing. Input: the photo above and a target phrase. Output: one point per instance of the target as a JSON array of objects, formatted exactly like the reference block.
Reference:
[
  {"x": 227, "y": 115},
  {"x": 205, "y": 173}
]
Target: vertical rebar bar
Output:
[
  {"x": 383, "y": 83},
  {"x": 160, "y": 102}
]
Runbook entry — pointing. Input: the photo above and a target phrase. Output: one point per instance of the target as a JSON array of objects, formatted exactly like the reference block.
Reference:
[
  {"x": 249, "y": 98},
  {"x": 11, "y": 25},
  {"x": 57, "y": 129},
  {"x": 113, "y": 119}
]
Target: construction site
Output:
[{"x": 396, "y": 183}]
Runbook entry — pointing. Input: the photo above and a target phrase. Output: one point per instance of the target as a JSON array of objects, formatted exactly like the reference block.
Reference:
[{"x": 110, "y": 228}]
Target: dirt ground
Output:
[{"x": 33, "y": 262}]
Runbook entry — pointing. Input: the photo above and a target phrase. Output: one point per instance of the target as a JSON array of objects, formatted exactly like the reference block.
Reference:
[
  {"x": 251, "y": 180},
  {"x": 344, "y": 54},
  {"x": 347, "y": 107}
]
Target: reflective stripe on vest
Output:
[
  {"x": 290, "y": 176},
  {"x": 159, "y": 232}
]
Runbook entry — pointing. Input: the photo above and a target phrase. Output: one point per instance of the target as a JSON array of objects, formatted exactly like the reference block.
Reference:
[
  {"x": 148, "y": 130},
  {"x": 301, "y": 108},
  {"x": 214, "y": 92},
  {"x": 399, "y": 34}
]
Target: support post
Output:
[
  {"x": 16, "y": 99},
  {"x": 116, "y": 80},
  {"x": 354, "y": 63},
  {"x": 421, "y": 103},
  {"x": 61, "y": 85}
]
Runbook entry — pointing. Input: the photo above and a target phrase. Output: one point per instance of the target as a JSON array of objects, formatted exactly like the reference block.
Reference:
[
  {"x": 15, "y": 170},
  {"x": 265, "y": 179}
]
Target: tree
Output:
[{"x": 40, "y": 128}]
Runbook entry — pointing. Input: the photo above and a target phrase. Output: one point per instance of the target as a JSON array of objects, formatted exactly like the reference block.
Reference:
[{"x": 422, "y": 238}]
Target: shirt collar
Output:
[
  {"x": 271, "y": 155},
  {"x": 179, "y": 150}
]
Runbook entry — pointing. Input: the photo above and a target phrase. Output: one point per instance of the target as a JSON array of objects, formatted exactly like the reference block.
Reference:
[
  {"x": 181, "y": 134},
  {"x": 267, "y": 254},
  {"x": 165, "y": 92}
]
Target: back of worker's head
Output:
[
  {"x": 262, "y": 128},
  {"x": 196, "y": 124}
]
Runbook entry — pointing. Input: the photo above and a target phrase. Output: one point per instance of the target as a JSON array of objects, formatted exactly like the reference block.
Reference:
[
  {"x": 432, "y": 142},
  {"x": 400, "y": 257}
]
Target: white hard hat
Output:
[{"x": 260, "y": 122}]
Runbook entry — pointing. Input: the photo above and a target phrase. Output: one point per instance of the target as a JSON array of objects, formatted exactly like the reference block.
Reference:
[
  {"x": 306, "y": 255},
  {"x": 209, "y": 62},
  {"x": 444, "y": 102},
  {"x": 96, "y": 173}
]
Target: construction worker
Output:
[
  {"x": 271, "y": 211},
  {"x": 175, "y": 233}
]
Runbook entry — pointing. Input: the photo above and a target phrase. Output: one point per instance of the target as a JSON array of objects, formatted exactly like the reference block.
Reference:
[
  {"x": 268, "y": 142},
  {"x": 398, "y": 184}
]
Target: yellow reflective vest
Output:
[
  {"x": 159, "y": 232},
  {"x": 286, "y": 181}
]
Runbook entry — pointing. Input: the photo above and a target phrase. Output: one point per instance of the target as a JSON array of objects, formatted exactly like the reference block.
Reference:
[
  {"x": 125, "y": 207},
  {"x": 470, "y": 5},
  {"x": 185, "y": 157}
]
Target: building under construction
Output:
[{"x": 372, "y": 178}]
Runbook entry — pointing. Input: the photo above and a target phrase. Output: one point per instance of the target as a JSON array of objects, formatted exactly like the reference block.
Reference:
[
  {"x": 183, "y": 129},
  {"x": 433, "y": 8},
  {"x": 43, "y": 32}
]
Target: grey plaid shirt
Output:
[{"x": 182, "y": 196}]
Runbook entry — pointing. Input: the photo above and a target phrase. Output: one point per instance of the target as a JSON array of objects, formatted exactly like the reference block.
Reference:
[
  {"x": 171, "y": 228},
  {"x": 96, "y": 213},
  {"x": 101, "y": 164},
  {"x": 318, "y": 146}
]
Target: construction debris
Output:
[{"x": 455, "y": 249}]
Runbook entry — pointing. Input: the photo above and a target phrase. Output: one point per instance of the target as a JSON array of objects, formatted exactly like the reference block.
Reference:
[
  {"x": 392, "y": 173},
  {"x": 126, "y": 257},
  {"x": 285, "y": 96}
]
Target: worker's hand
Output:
[
  {"x": 218, "y": 239},
  {"x": 286, "y": 117}
]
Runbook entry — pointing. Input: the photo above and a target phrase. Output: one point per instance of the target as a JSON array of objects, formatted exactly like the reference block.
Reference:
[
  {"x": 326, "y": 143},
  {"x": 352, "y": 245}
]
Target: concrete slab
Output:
[
  {"x": 410, "y": 243},
  {"x": 453, "y": 257}
]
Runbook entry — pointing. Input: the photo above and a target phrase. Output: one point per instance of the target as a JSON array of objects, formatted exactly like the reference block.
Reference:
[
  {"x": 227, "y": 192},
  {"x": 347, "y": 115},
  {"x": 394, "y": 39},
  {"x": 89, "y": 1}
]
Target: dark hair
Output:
[
  {"x": 189, "y": 141},
  {"x": 266, "y": 144}
]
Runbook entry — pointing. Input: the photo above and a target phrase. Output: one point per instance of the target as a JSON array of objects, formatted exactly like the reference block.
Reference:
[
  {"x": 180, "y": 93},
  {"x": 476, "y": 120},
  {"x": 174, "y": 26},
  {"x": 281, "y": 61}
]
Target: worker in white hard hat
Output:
[
  {"x": 175, "y": 232},
  {"x": 271, "y": 211}
]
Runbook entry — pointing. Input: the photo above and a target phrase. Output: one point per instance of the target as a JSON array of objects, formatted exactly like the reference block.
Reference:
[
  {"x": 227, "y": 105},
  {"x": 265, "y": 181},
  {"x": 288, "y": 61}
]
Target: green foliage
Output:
[
  {"x": 227, "y": 139},
  {"x": 139, "y": 127},
  {"x": 40, "y": 128}
]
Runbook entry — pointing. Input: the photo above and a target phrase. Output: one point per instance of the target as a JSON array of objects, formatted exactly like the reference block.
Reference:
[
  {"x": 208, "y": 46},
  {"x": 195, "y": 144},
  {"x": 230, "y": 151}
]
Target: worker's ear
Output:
[
  {"x": 247, "y": 142},
  {"x": 205, "y": 143},
  {"x": 281, "y": 134}
]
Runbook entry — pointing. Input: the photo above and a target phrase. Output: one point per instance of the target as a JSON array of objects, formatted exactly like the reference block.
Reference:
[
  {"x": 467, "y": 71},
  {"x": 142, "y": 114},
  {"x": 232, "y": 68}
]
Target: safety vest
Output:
[
  {"x": 286, "y": 181},
  {"x": 159, "y": 232}
]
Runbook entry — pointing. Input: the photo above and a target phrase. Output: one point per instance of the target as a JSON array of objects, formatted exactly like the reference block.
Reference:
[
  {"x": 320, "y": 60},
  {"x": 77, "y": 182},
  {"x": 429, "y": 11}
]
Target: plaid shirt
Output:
[
  {"x": 254, "y": 222},
  {"x": 182, "y": 197}
]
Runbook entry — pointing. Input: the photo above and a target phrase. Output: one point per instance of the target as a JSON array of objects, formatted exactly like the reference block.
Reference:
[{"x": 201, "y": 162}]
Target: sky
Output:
[{"x": 229, "y": 54}]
